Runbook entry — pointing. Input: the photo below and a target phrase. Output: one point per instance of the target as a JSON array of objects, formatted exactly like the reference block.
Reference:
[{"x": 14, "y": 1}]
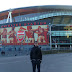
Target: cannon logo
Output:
[{"x": 20, "y": 35}]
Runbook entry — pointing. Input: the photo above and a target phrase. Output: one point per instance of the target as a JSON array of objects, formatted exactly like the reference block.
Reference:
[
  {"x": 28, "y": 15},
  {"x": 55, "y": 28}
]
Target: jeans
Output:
[{"x": 36, "y": 63}]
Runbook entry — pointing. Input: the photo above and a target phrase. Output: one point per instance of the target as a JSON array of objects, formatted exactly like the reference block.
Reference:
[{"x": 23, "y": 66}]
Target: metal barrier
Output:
[{"x": 17, "y": 51}]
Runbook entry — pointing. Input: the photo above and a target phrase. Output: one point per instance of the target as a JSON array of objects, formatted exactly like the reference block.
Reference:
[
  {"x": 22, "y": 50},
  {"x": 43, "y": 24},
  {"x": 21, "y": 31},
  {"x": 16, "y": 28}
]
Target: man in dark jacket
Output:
[{"x": 36, "y": 57}]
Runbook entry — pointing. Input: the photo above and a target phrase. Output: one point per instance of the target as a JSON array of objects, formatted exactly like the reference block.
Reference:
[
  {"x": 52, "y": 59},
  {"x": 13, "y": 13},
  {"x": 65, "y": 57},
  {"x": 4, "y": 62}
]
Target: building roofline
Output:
[
  {"x": 34, "y": 9},
  {"x": 43, "y": 6}
]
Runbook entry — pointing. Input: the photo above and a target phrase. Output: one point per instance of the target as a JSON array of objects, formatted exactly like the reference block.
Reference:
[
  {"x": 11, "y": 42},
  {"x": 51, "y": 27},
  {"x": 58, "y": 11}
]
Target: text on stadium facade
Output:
[{"x": 24, "y": 23}]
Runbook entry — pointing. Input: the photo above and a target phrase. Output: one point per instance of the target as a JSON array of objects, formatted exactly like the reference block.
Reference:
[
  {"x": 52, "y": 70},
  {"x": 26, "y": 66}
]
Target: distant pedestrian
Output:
[
  {"x": 36, "y": 57},
  {"x": 15, "y": 48}
]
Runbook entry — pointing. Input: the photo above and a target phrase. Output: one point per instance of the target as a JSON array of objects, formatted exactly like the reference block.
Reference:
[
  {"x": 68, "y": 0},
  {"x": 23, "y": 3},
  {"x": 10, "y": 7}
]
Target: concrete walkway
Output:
[{"x": 50, "y": 63}]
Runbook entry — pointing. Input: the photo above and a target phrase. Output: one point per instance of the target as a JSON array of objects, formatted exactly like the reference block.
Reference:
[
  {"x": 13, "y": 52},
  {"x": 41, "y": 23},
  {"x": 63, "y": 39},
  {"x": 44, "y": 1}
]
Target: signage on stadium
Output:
[
  {"x": 20, "y": 35},
  {"x": 25, "y": 23},
  {"x": 68, "y": 28}
]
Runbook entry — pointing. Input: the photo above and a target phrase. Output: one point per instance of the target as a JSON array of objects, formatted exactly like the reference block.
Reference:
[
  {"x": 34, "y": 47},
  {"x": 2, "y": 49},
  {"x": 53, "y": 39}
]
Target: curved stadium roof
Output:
[
  {"x": 35, "y": 9},
  {"x": 52, "y": 10}
]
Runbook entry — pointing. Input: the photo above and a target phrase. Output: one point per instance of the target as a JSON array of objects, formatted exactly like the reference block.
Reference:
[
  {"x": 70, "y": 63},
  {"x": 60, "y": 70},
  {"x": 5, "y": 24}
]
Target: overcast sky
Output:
[{"x": 7, "y": 4}]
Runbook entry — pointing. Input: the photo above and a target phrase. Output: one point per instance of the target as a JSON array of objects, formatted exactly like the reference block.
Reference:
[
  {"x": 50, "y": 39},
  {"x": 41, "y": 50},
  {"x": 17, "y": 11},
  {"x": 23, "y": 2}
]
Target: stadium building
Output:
[{"x": 49, "y": 25}]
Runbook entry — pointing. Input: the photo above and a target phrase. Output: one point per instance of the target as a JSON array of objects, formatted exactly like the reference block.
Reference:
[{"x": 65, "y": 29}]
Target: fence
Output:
[
  {"x": 57, "y": 50},
  {"x": 19, "y": 51}
]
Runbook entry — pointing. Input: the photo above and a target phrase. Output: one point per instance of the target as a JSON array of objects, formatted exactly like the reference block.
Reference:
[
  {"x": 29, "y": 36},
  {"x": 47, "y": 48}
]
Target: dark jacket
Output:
[{"x": 36, "y": 53}]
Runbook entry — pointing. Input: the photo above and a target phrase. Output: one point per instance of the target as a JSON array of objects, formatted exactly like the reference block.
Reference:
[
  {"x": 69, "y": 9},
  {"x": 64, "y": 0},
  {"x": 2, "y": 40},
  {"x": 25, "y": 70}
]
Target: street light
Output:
[{"x": 50, "y": 34}]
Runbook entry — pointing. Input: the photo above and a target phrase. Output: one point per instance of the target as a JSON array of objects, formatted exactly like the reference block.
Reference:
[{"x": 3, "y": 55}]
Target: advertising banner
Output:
[{"x": 24, "y": 33}]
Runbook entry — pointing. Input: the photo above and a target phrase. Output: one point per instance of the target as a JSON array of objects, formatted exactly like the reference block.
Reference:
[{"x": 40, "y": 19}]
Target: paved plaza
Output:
[{"x": 50, "y": 63}]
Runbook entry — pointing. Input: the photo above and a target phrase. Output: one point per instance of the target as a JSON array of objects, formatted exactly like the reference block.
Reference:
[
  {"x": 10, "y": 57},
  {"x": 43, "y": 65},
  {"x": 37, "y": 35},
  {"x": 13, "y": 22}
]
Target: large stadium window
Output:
[
  {"x": 61, "y": 28},
  {"x": 57, "y": 28}
]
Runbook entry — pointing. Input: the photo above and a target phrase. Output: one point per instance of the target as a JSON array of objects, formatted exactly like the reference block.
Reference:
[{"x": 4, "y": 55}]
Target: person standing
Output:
[{"x": 36, "y": 57}]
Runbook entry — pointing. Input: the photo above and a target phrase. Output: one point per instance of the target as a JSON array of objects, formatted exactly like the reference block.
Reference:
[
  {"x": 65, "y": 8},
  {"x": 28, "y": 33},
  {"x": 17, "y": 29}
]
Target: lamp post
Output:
[
  {"x": 50, "y": 38},
  {"x": 50, "y": 35}
]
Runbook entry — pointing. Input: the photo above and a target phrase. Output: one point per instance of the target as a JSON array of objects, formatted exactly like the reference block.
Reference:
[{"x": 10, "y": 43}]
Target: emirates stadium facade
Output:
[{"x": 49, "y": 25}]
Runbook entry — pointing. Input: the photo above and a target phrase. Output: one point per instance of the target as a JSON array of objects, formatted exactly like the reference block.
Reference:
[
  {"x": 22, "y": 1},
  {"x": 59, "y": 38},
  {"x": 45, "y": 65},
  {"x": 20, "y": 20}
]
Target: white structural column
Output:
[
  {"x": 50, "y": 37},
  {"x": 9, "y": 16}
]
